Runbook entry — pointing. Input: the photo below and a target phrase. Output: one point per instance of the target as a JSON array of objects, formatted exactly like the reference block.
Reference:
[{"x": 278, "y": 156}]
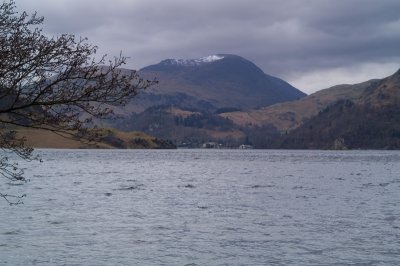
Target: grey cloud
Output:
[{"x": 282, "y": 37}]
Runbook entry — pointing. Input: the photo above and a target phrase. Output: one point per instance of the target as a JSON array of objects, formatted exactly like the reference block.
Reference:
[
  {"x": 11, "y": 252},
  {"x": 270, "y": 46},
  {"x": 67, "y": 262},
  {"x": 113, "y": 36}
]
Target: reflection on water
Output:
[{"x": 206, "y": 207}]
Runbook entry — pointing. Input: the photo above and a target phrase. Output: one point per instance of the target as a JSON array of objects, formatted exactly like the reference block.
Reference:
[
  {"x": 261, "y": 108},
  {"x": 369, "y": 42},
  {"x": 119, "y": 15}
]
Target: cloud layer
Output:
[{"x": 311, "y": 43}]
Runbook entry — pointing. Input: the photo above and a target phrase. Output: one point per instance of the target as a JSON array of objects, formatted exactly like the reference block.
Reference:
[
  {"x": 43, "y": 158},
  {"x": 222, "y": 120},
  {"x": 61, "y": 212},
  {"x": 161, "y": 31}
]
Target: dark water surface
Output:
[{"x": 205, "y": 207}]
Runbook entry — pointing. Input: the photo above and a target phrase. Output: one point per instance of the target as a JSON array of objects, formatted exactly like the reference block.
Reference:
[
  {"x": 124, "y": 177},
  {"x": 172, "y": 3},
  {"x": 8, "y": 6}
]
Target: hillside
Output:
[
  {"x": 347, "y": 125},
  {"x": 289, "y": 115},
  {"x": 370, "y": 121},
  {"x": 109, "y": 139}
]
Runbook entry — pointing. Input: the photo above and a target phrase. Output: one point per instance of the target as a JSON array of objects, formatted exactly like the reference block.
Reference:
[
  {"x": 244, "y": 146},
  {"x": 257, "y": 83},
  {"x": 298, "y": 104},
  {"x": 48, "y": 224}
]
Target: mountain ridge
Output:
[{"x": 228, "y": 81}]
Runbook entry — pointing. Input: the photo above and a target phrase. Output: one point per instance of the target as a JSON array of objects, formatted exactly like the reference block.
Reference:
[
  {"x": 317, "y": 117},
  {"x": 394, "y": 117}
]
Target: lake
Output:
[{"x": 205, "y": 207}]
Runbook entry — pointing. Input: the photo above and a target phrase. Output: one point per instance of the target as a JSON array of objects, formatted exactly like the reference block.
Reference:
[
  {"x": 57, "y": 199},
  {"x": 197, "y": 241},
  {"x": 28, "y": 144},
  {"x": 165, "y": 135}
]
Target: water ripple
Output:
[{"x": 201, "y": 207}]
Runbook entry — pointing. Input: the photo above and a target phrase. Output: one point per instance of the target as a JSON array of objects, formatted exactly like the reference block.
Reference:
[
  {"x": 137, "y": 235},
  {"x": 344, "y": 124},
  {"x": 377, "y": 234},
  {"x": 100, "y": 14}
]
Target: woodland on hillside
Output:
[{"x": 346, "y": 125}]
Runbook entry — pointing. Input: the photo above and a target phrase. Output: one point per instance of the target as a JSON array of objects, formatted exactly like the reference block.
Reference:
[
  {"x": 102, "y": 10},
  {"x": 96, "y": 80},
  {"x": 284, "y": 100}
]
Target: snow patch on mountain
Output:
[
  {"x": 193, "y": 62},
  {"x": 210, "y": 58}
]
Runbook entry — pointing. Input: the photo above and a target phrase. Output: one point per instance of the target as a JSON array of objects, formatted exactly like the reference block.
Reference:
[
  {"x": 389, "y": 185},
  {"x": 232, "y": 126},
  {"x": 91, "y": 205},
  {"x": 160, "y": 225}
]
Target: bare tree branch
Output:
[{"x": 49, "y": 83}]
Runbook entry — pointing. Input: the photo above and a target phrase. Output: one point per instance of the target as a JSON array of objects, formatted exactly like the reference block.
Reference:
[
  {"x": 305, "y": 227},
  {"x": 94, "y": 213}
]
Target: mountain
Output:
[
  {"x": 187, "y": 104},
  {"x": 211, "y": 83},
  {"x": 360, "y": 116},
  {"x": 371, "y": 121}
]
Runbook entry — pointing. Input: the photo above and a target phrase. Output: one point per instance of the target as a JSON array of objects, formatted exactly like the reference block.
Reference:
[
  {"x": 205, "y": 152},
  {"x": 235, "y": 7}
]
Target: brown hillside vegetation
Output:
[
  {"x": 289, "y": 115},
  {"x": 110, "y": 139}
]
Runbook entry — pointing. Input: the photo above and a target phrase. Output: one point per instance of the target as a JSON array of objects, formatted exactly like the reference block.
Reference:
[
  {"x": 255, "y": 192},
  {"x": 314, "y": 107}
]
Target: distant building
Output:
[
  {"x": 245, "y": 147},
  {"x": 211, "y": 145},
  {"x": 339, "y": 144}
]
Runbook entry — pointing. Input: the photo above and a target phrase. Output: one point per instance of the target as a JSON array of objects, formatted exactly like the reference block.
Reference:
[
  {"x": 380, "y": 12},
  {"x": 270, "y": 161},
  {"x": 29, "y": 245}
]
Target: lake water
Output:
[{"x": 205, "y": 207}]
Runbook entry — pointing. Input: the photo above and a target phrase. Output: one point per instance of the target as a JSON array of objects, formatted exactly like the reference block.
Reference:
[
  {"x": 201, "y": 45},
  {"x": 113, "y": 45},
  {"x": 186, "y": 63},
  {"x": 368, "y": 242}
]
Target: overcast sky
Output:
[{"x": 312, "y": 44}]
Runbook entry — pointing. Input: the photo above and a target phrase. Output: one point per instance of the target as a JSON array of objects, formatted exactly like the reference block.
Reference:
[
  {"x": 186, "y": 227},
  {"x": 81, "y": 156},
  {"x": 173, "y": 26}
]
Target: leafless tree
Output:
[{"x": 50, "y": 83}]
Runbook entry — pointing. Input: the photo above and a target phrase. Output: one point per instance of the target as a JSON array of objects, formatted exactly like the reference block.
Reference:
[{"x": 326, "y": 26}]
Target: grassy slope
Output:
[{"x": 112, "y": 139}]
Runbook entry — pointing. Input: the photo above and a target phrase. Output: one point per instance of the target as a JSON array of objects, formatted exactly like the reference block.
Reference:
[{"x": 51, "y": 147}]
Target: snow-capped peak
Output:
[{"x": 194, "y": 62}]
